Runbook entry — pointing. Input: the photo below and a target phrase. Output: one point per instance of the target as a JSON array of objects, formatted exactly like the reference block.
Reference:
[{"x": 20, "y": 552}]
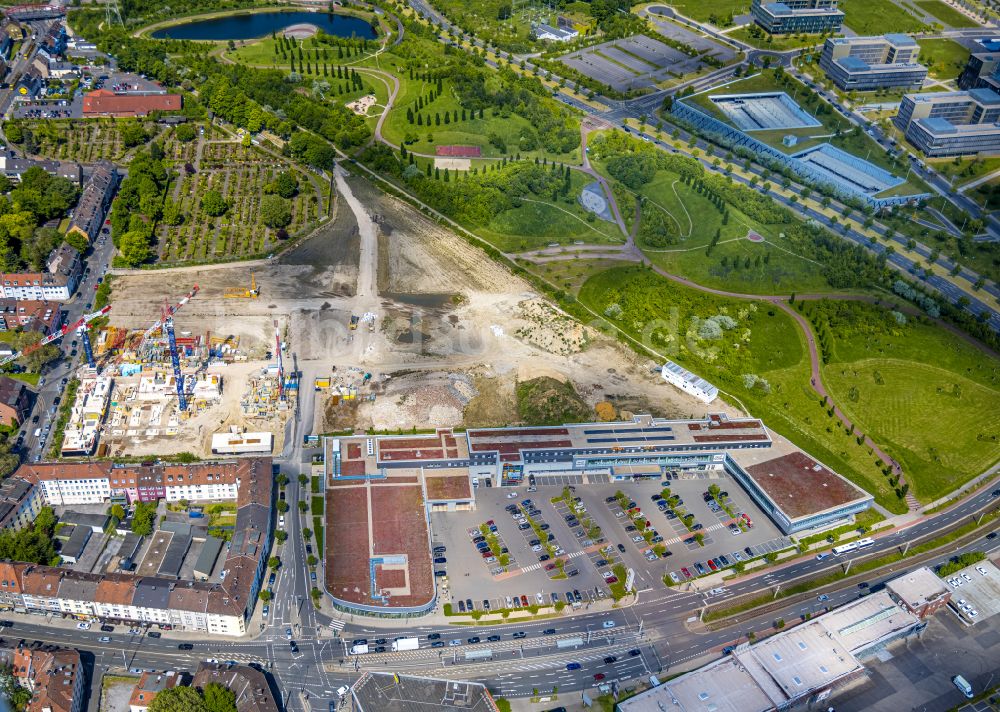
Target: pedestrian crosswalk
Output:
[
  {"x": 337, "y": 624},
  {"x": 535, "y": 567}
]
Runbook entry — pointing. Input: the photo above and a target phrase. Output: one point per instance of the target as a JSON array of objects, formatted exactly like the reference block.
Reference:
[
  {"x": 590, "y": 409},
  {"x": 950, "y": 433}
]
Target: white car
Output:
[
  {"x": 83, "y": 626},
  {"x": 511, "y": 495},
  {"x": 281, "y": 520},
  {"x": 539, "y": 598},
  {"x": 536, "y": 547},
  {"x": 105, "y": 639},
  {"x": 981, "y": 570},
  {"x": 962, "y": 602},
  {"x": 637, "y": 539},
  {"x": 608, "y": 624},
  {"x": 972, "y": 613},
  {"x": 967, "y": 577}
]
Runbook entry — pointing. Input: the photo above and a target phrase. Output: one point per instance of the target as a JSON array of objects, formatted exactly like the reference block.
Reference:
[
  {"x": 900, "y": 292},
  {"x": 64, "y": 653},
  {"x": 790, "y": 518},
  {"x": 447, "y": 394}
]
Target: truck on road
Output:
[
  {"x": 400, "y": 644},
  {"x": 359, "y": 649}
]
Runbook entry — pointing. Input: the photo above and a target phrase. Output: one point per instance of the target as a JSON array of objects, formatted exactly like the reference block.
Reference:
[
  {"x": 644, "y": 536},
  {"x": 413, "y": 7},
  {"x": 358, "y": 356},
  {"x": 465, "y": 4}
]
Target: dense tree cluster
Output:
[
  {"x": 33, "y": 544},
  {"x": 140, "y": 204},
  {"x": 38, "y": 198},
  {"x": 212, "y": 698}
]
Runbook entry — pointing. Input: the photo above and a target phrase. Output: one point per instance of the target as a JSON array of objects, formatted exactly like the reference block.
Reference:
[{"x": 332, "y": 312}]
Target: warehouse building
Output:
[
  {"x": 951, "y": 123},
  {"x": 800, "y": 666},
  {"x": 869, "y": 63}
]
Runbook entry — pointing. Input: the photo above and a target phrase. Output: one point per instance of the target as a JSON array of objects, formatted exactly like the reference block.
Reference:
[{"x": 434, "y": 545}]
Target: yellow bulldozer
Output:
[{"x": 242, "y": 293}]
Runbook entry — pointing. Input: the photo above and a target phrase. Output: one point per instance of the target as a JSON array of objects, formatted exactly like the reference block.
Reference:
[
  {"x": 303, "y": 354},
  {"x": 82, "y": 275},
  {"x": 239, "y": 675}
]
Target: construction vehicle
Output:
[
  {"x": 354, "y": 321},
  {"x": 240, "y": 293},
  {"x": 55, "y": 336}
]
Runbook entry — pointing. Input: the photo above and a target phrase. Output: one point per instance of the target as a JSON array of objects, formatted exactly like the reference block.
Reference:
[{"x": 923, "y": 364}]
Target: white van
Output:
[
  {"x": 963, "y": 685},
  {"x": 38, "y": 431}
]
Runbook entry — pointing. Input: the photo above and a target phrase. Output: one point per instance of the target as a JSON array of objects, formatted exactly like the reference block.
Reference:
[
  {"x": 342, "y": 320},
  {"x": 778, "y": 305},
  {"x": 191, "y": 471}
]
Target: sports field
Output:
[{"x": 928, "y": 397}]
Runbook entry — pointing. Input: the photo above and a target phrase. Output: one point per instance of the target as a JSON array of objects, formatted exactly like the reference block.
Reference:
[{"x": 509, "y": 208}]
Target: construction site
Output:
[
  {"x": 386, "y": 321},
  {"x": 166, "y": 388}
]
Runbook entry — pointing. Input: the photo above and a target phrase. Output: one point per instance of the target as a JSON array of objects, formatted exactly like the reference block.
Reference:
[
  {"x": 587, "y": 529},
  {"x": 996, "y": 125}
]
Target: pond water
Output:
[{"x": 262, "y": 24}]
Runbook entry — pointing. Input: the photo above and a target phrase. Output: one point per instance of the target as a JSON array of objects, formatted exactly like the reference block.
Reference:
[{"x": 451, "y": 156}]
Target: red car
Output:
[
  {"x": 611, "y": 579},
  {"x": 599, "y": 676},
  {"x": 549, "y": 567},
  {"x": 487, "y": 554},
  {"x": 687, "y": 574},
  {"x": 712, "y": 566},
  {"x": 490, "y": 523},
  {"x": 524, "y": 601}
]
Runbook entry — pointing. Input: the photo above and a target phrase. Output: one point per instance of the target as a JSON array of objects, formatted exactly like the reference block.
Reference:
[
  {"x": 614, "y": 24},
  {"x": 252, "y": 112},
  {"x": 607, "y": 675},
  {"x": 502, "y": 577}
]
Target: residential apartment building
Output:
[
  {"x": 20, "y": 503},
  {"x": 55, "y": 678},
  {"x": 792, "y": 16},
  {"x": 36, "y": 286},
  {"x": 15, "y": 401},
  {"x": 43, "y": 317},
  {"x": 868, "y": 63},
  {"x": 95, "y": 200},
  {"x": 221, "y": 608},
  {"x": 69, "y": 483},
  {"x": 951, "y": 123},
  {"x": 14, "y": 167}
]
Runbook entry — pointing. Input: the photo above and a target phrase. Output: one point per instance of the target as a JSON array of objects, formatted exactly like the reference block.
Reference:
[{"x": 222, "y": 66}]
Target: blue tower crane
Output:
[
  {"x": 176, "y": 363},
  {"x": 88, "y": 349}
]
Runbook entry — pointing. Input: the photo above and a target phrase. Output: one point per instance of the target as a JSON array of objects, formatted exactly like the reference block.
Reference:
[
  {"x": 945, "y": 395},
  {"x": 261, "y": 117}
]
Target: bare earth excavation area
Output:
[{"x": 443, "y": 343}]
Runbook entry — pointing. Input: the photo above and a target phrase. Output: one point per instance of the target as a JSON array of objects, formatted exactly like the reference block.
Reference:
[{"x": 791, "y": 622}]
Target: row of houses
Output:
[{"x": 216, "y": 607}]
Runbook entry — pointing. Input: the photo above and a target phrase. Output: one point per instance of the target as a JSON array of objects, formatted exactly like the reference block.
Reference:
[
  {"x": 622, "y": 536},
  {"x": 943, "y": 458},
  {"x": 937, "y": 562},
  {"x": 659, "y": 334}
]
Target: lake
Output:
[{"x": 262, "y": 24}]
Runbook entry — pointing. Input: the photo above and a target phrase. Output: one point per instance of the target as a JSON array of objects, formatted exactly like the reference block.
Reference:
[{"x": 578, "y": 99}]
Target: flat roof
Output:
[
  {"x": 982, "y": 592},
  {"x": 722, "y": 686},
  {"x": 865, "y": 621},
  {"x": 389, "y": 692},
  {"x": 918, "y": 587},
  {"x": 798, "y": 484},
  {"x": 901, "y": 40}
]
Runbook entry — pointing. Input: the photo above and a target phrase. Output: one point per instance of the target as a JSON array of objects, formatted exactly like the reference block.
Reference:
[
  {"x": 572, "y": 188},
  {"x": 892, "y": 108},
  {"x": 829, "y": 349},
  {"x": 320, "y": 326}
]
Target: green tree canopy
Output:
[
  {"x": 275, "y": 212},
  {"x": 179, "y": 699},
  {"x": 213, "y": 203}
]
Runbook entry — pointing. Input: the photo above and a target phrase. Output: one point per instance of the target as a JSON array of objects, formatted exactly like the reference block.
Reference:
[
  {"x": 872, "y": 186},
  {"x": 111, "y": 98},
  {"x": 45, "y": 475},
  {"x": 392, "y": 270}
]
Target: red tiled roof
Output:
[{"x": 104, "y": 102}]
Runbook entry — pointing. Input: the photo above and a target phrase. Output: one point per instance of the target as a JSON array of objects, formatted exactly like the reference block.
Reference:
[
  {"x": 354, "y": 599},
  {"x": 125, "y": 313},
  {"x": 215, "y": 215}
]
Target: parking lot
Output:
[{"x": 587, "y": 542}]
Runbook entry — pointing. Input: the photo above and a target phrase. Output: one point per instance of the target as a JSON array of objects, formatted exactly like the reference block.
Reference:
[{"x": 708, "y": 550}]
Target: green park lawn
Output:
[
  {"x": 876, "y": 17},
  {"x": 944, "y": 58},
  {"x": 703, "y": 11},
  {"x": 928, "y": 397},
  {"x": 774, "y": 267},
  {"x": 765, "y": 343},
  {"x": 779, "y": 43},
  {"x": 538, "y": 222},
  {"x": 948, "y": 15}
]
